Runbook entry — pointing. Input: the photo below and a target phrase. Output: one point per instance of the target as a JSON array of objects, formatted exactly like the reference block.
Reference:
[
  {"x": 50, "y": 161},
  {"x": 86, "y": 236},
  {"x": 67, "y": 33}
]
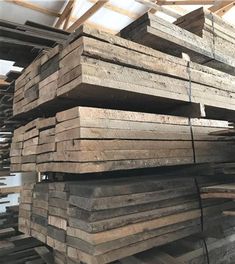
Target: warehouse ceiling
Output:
[{"x": 110, "y": 16}]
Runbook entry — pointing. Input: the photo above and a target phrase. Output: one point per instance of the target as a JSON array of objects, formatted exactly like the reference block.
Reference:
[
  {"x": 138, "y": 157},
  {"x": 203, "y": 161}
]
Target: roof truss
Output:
[{"x": 64, "y": 18}]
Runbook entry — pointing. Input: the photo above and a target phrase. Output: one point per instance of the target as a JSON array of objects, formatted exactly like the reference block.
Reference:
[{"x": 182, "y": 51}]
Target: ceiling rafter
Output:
[
  {"x": 174, "y": 10},
  {"x": 155, "y": 7},
  {"x": 56, "y": 14},
  {"x": 64, "y": 14},
  {"x": 222, "y": 7},
  {"x": 90, "y": 12},
  {"x": 68, "y": 18}
]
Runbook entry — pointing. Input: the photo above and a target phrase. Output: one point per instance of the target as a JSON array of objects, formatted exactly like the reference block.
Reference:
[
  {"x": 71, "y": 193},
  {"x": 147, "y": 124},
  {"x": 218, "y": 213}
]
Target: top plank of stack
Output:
[
  {"x": 216, "y": 49},
  {"x": 98, "y": 69}
]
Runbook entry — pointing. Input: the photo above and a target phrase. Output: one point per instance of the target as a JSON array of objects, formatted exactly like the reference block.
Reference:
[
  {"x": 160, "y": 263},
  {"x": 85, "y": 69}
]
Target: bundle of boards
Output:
[
  {"x": 87, "y": 140},
  {"x": 17, "y": 248},
  {"x": 98, "y": 69},
  {"x": 191, "y": 249},
  {"x": 7, "y": 124},
  {"x": 205, "y": 37},
  {"x": 9, "y": 218},
  {"x": 100, "y": 221},
  {"x": 22, "y": 43}
]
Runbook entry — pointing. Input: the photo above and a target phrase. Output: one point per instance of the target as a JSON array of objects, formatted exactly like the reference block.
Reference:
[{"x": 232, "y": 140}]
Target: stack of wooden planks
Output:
[
  {"x": 99, "y": 221},
  {"x": 222, "y": 191},
  {"x": 212, "y": 28},
  {"x": 22, "y": 249},
  {"x": 192, "y": 249},
  {"x": 9, "y": 218},
  {"x": 7, "y": 124},
  {"x": 98, "y": 69},
  {"x": 22, "y": 43},
  {"x": 134, "y": 134},
  {"x": 84, "y": 140},
  {"x": 214, "y": 50}
]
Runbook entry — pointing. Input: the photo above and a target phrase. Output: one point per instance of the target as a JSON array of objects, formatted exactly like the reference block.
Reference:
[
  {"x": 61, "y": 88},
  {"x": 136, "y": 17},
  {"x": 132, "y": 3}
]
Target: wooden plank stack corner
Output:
[{"x": 130, "y": 137}]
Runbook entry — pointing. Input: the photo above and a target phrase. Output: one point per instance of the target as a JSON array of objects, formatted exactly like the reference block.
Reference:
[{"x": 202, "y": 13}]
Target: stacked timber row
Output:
[
  {"x": 205, "y": 37},
  {"x": 100, "y": 221},
  {"x": 25, "y": 208},
  {"x": 88, "y": 140},
  {"x": 98, "y": 69}
]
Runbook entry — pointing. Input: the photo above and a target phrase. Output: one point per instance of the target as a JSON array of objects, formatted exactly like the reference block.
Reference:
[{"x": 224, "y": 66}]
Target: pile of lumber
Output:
[
  {"x": 16, "y": 248},
  {"x": 9, "y": 218},
  {"x": 212, "y": 28},
  {"x": 137, "y": 137},
  {"x": 30, "y": 142},
  {"x": 192, "y": 249},
  {"x": 222, "y": 191},
  {"x": 85, "y": 140},
  {"x": 98, "y": 69},
  {"x": 99, "y": 221},
  {"x": 215, "y": 50},
  {"x": 7, "y": 124},
  {"x": 22, "y": 43}
]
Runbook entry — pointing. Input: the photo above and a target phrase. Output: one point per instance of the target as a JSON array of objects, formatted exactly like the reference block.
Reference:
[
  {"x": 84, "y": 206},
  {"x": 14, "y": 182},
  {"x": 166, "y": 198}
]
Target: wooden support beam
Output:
[
  {"x": 229, "y": 213},
  {"x": 90, "y": 12},
  {"x": 68, "y": 18},
  {"x": 8, "y": 190},
  {"x": 64, "y": 14},
  {"x": 155, "y": 7},
  {"x": 222, "y": 7},
  {"x": 3, "y": 82}
]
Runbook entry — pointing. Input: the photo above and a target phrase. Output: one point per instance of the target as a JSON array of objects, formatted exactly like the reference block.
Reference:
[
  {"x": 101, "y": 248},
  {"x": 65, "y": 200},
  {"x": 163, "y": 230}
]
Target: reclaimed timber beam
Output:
[
  {"x": 155, "y": 7},
  {"x": 3, "y": 82},
  {"x": 221, "y": 8},
  {"x": 90, "y": 12},
  {"x": 8, "y": 190},
  {"x": 229, "y": 213},
  {"x": 64, "y": 14}
]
